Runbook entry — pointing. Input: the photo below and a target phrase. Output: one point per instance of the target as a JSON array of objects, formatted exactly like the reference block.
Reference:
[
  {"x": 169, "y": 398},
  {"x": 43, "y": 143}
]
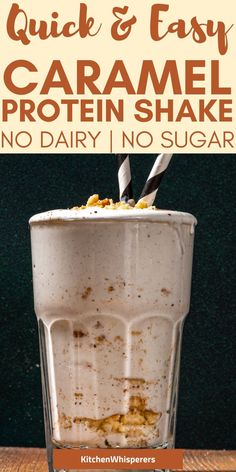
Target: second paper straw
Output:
[{"x": 155, "y": 177}]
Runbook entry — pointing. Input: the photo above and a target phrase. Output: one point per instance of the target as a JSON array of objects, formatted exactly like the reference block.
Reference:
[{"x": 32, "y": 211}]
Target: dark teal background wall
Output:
[{"x": 202, "y": 185}]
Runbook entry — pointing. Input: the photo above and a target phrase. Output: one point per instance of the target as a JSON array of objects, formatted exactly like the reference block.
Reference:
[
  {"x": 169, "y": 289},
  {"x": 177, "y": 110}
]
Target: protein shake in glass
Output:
[{"x": 111, "y": 290}]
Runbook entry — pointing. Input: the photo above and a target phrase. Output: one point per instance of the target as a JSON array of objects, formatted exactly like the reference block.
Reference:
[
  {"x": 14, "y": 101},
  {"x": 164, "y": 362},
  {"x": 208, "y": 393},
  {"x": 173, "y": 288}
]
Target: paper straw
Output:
[
  {"x": 124, "y": 177},
  {"x": 155, "y": 177}
]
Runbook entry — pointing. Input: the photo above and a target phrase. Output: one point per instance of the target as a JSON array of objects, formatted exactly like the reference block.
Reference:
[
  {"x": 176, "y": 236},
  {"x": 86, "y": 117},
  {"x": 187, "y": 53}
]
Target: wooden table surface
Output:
[{"x": 34, "y": 460}]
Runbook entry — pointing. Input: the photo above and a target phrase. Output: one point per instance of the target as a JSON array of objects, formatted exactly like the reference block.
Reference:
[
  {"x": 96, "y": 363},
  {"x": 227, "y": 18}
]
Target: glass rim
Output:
[{"x": 95, "y": 214}]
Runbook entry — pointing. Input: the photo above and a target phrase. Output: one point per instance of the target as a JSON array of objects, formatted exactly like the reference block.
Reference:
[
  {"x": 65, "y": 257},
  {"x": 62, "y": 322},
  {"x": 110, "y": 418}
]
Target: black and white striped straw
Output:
[
  {"x": 155, "y": 177},
  {"x": 124, "y": 177}
]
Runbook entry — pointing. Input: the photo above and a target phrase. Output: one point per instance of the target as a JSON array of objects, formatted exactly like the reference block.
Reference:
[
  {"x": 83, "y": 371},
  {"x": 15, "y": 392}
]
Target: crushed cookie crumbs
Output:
[{"x": 108, "y": 203}]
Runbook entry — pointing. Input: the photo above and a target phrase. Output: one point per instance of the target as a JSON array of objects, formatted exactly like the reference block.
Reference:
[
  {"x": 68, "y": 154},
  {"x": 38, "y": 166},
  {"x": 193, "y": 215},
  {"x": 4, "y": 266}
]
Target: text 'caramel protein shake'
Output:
[{"x": 111, "y": 289}]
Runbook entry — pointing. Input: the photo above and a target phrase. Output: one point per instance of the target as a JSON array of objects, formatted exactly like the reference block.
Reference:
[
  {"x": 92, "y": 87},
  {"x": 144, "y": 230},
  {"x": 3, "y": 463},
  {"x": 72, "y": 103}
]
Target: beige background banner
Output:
[{"x": 85, "y": 121}]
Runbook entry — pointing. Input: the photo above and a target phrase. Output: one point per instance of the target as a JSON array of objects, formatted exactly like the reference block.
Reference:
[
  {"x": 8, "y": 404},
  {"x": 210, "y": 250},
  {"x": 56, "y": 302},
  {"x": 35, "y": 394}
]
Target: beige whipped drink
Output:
[{"x": 111, "y": 290}]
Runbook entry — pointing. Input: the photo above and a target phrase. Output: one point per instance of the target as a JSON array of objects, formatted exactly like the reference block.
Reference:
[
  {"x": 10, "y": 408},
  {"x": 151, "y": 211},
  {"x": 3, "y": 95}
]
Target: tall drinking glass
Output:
[{"x": 111, "y": 292}]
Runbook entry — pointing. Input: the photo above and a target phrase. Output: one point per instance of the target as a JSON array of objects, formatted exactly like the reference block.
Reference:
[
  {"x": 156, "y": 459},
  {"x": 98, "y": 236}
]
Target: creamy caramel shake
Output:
[{"x": 111, "y": 289}]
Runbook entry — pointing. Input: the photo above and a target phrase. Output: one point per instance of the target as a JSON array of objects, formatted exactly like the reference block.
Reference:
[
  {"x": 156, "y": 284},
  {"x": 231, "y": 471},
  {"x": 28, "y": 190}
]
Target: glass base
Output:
[{"x": 52, "y": 469}]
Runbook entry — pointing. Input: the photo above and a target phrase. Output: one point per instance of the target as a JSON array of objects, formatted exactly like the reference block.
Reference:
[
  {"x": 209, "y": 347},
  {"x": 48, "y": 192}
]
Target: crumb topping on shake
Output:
[{"x": 107, "y": 203}]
